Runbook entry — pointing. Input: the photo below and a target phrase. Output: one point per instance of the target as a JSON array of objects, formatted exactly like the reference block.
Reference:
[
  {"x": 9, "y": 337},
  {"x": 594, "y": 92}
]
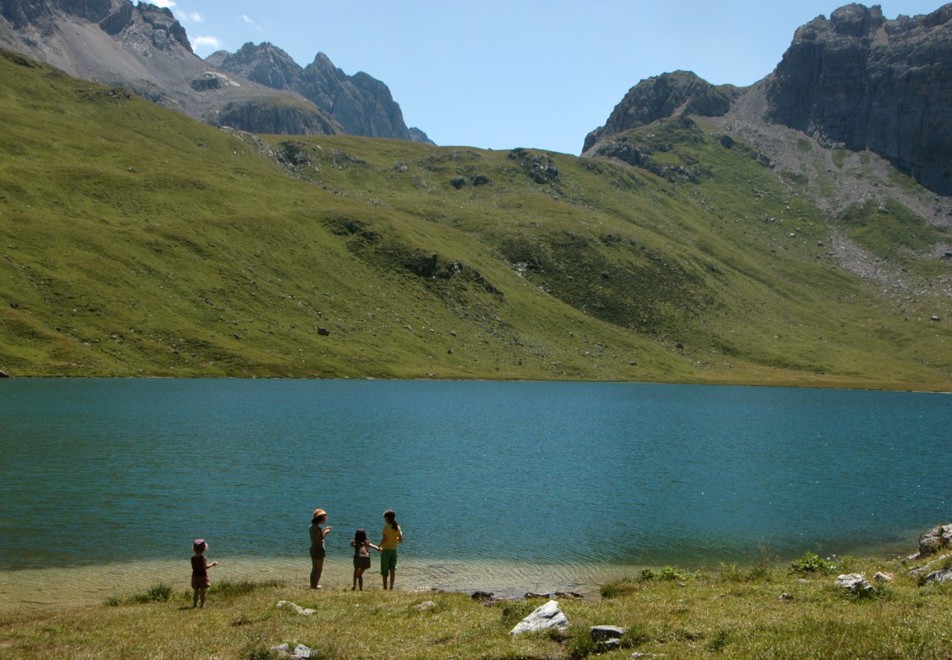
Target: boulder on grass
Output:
[
  {"x": 606, "y": 637},
  {"x": 543, "y": 617},
  {"x": 938, "y": 577},
  {"x": 935, "y": 540},
  {"x": 288, "y": 605},
  {"x": 856, "y": 584}
]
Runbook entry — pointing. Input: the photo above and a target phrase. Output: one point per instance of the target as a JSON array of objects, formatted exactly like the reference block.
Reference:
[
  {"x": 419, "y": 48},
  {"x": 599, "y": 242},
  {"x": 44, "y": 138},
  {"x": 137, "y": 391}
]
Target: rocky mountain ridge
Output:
[
  {"x": 856, "y": 81},
  {"x": 144, "y": 48}
]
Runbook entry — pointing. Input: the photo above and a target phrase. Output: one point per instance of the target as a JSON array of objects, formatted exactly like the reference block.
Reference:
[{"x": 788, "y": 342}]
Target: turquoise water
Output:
[{"x": 104, "y": 471}]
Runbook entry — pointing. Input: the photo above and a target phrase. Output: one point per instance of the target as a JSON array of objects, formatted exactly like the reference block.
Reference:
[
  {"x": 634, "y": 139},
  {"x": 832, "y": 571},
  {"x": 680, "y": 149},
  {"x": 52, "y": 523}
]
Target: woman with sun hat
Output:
[{"x": 318, "y": 553}]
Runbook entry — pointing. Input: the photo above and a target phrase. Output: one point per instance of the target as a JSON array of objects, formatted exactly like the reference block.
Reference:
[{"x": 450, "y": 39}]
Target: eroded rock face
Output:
[
  {"x": 360, "y": 104},
  {"x": 265, "y": 63},
  {"x": 157, "y": 26},
  {"x": 864, "y": 82},
  {"x": 271, "y": 116},
  {"x": 21, "y": 13}
]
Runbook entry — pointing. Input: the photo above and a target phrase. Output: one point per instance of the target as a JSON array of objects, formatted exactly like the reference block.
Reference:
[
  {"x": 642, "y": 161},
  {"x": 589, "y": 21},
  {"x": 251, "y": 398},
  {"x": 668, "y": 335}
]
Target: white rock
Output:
[
  {"x": 546, "y": 616},
  {"x": 938, "y": 576},
  {"x": 285, "y": 604},
  {"x": 300, "y": 652},
  {"x": 854, "y": 583}
]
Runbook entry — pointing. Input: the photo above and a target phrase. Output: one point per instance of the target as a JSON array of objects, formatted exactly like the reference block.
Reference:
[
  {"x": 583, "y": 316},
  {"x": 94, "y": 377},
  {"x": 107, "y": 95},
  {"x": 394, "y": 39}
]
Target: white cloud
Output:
[
  {"x": 183, "y": 15},
  {"x": 248, "y": 21},
  {"x": 206, "y": 41}
]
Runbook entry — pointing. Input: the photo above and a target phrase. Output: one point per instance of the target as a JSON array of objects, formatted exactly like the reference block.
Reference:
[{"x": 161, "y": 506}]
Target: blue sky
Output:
[{"x": 499, "y": 74}]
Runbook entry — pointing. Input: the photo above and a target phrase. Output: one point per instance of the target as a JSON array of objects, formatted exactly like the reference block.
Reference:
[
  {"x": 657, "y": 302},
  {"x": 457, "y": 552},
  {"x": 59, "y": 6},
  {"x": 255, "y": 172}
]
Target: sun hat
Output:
[
  {"x": 199, "y": 544},
  {"x": 319, "y": 512}
]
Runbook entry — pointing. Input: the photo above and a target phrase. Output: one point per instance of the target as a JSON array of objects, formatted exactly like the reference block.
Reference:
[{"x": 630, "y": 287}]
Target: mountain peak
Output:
[
  {"x": 361, "y": 104},
  {"x": 659, "y": 97},
  {"x": 264, "y": 64}
]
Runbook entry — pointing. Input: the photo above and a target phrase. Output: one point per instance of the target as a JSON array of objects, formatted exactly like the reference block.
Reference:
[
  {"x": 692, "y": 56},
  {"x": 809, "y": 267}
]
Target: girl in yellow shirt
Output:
[{"x": 392, "y": 535}]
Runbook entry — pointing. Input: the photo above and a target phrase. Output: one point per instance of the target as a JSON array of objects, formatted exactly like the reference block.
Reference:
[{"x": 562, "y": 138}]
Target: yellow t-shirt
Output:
[{"x": 391, "y": 537}]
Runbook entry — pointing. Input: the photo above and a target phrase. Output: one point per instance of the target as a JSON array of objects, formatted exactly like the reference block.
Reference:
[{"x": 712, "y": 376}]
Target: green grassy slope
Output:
[{"x": 135, "y": 241}]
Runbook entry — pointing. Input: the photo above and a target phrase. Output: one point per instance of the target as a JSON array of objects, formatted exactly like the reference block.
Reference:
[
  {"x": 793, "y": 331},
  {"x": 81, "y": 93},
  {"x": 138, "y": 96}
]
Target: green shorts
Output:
[{"x": 388, "y": 561}]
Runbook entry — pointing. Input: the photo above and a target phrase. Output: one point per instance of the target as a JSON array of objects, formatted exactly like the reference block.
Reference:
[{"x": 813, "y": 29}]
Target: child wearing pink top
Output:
[{"x": 200, "y": 566}]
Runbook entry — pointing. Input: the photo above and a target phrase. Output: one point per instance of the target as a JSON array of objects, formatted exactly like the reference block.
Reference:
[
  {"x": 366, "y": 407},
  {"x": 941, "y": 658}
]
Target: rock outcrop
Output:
[
  {"x": 163, "y": 30},
  {"x": 856, "y": 584},
  {"x": 416, "y": 135},
  {"x": 25, "y": 13},
  {"x": 360, "y": 104},
  {"x": 860, "y": 81},
  {"x": 936, "y": 540},
  {"x": 277, "y": 116},
  {"x": 660, "y": 97}
]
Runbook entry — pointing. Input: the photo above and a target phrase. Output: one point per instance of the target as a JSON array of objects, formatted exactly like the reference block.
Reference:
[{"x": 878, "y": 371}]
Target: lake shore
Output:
[
  {"x": 775, "y": 610},
  {"x": 82, "y": 586}
]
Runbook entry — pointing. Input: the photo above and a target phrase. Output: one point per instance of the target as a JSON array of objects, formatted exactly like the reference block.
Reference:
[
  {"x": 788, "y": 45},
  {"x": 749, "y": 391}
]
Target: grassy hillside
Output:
[{"x": 135, "y": 241}]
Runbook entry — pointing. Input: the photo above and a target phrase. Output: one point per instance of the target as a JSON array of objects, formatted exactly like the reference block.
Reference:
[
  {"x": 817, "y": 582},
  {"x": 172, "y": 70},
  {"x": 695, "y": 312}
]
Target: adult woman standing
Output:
[{"x": 318, "y": 553}]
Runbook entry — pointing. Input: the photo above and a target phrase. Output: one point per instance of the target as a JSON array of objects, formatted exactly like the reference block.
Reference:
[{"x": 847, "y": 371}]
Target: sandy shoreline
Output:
[
  {"x": 92, "y": 585},
  {"x": 44, "y": 588}
]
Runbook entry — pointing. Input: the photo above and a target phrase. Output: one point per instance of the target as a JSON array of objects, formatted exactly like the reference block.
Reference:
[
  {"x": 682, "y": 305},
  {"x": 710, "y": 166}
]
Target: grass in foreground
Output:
[{"x": 765, "y": 611}]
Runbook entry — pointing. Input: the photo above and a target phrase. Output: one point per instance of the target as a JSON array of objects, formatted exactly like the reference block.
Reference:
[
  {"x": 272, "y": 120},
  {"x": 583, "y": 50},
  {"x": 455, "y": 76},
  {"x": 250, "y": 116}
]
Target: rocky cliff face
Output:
[
  {"x": 855, "y": 80},
  {"x": 264, "y": 63},
  {"x": 660, "y": 97},
  {"x": 164, "y": 32},
  {"x": 863, "y": 82},
  {"x": 41, "y": 20},
  {"x": 24, "y": 13},
  {"x": 361, "y": 104},
  {"x": 277, "y": 116}
]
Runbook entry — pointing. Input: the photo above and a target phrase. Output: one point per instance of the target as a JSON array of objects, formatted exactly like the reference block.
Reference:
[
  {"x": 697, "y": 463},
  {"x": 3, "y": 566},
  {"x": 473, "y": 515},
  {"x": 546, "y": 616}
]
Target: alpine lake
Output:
[{"x": 506, "y": 487}]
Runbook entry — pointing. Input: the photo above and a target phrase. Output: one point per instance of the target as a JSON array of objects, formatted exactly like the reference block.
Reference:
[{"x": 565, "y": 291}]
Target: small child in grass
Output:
[{"x": 200, "y": 566}]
